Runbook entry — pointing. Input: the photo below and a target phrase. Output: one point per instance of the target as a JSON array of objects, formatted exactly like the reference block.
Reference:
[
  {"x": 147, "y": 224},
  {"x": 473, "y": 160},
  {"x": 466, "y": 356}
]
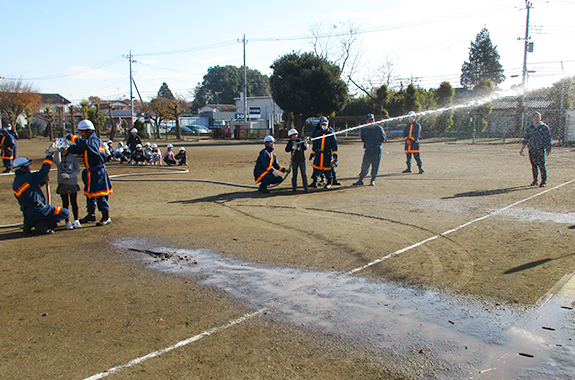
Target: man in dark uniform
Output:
[
  {"x": 372, "y": 136},
  {"x": 538, "y": 138},
  {"x": 26, "y": 188},
  {"x": 97, "y": 185},
  {"x": 324, "y": 150},
  {"x": 7, "y": 149},
  {"x": 265, "y": 165},
  {"x": 411, "y": 135}
]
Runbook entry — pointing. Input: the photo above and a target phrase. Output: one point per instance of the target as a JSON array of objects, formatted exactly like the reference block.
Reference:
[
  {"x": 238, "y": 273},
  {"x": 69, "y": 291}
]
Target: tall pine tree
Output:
[{"x": 483, "y": 62}]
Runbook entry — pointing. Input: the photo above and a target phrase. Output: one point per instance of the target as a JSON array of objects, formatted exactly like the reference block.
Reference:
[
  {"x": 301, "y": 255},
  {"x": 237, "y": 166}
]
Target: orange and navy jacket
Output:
[
  {"x": 26, "y": 185},
  {"x": 96, "y": 180},
  {"x": 324, "y": 149},
  {"x": 411, "y": 134},
  {"x": 266, "y": 162},
  {"x": 7, "y": 145}
]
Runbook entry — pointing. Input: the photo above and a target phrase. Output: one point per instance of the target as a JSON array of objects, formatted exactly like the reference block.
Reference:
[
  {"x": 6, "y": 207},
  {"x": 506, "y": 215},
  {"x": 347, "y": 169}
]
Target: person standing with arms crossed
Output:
[
  {"x": 372, "y": 136},
  {"x": 411, "y": 134},
  {"x": 538, "y": 139}
]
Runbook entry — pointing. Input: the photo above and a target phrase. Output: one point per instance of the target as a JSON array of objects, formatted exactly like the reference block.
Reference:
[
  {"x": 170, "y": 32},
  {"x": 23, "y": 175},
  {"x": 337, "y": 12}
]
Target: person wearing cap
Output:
[
  {"x": 411, "y": 134},
  {"x": 138, "y": 155},
  {"x": 538, "y": 139},
  {"x": 109, "y": 150},
  {"x": 169, "y": 157},
  {"x": 372, "y": 136},
  {"x": 26, "y": 188},
  {"x": 324, "y": 152},
  {"x": 133, "y": 140},
  {"x": 297, "y": 146},
  {"x": 265, "y": 164},
  {"x": 13, "y": 132},
  {"x": 7, "y": 149},
  {"x": 97, "y": 185},
  {"x": 156, "y": 155},
  {"x": 181, "y": 157},
  {"x": 148, "y": 153}
]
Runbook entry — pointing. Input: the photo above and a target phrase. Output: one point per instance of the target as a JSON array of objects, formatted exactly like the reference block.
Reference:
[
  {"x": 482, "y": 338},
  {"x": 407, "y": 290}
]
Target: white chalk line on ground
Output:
[
  {"x": 182, "y": 343},
  {"x": 402, "y": 250}
]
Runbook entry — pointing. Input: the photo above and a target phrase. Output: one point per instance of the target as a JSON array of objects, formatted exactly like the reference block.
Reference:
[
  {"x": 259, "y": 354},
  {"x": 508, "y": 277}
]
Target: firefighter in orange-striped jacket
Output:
[
  {"x": 26, "y": 187},
  {"x": 324, "y": 153},
  {"x": 97, "y": 185},
  {"x": 411, "y": 136},
  {"x": 265, "y": 165},
  {"x": 7, "y": 149}
]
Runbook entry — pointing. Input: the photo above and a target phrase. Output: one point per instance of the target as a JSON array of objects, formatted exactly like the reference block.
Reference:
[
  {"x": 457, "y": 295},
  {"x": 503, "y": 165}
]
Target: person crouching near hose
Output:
[
  {"x": 97, "y": 185},
  {"x": 265, "y": 164},
  {"x": 297, "y": 146},
  {"x": 323, "y": 152},
  {"x": 26, "y": 187}
]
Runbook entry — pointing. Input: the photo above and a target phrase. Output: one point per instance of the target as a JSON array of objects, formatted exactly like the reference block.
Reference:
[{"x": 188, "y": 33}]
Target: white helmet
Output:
[
  {"x": 154, "y": 145},
  {"x": 411, "y": 113},
  {"x": 268, "y": 139},
  {"x": 110, "y": 142},
  {"x": 121, "y": 143},
  {"x": 182, "y": 148},
  {"x": 133, "y": 130},
  {"x": 292, "y": 132},
  {"x": 169, "y": 146},
  {"x": 20, "y": 162},
  {"x": 138, "y": 145},
  {"x": 86, "y": 125},
  {"x": 147, "y": 144}
]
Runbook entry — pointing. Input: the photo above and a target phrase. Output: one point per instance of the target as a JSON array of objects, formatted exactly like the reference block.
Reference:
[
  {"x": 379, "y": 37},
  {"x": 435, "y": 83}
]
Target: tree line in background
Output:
[{"x": 310, "y": 84}]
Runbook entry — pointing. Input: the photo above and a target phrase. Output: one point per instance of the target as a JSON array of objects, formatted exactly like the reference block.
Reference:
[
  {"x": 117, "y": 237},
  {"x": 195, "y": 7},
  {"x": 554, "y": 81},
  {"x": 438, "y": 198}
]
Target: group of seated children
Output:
[{"x": 150, "y": 154}]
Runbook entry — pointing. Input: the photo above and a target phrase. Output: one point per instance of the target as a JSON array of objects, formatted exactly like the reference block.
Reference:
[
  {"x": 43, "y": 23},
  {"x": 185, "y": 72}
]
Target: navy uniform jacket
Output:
[
  {"x": 266, "y": 162},
  {"x": 96, "y": 180},
  {"x": 324, "y": 150},
  {"x": 372, "y": 137},
  {"x": 8, "y": 147},
  {"x": 26, "y": 189},
  {"x": 411, "y": 136},
  {"x": 538, "y": 137}
]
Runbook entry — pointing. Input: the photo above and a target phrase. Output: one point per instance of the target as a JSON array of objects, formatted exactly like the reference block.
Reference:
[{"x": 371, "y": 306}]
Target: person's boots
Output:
[
  {"x": 328, "y": 184},
  {"x": 91, "y": 217},
  {"x": 335, "y": 182},
  {"x": 408, "y": 170},
  {"x": 421, "y": 171},
  {"x": 105, "y": 219},
  {"x": 313, "y": 183}
]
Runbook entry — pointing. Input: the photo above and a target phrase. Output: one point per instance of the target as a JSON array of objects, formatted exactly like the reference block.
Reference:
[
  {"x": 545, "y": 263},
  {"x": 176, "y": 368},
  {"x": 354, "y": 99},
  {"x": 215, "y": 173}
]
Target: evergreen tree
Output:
[
  {"x": 445, "y": 94},
  {"x": 165, "y": 92},
  {"x": 483, "y": 62},
  {"x": 307, "y": 85}
]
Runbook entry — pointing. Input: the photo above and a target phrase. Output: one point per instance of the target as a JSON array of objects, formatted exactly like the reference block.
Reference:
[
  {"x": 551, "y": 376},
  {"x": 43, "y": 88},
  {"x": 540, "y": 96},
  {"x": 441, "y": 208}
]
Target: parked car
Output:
[{"x": 191, "y": 130}]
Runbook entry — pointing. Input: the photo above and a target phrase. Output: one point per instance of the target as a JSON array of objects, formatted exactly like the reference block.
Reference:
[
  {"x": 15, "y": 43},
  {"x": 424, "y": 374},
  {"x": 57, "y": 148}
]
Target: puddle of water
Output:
[{"x": 473, "y": 339}]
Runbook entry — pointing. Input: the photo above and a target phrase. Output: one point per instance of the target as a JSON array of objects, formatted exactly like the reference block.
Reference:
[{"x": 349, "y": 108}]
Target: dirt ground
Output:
[{"x": 75, "y": 304}]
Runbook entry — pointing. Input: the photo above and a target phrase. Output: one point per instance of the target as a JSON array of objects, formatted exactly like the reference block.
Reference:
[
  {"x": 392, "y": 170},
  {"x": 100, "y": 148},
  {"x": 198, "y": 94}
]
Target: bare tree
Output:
[
  {"x": 15, "y": 97},
  {"x": 339, "y": 44}
]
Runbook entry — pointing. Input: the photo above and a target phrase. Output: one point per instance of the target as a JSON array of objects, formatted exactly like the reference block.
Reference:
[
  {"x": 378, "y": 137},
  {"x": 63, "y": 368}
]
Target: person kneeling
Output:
[
  {"x": 26, "y": 187},
  {"x": 265, "y": 165}
]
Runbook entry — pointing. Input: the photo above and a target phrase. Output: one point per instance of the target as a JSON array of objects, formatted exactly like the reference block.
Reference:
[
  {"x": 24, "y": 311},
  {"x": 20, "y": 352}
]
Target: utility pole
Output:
[
  {"x": 526, "y": 46},
  {"x": 245, "y": 87},
  {"x": 130, "y": 58}
]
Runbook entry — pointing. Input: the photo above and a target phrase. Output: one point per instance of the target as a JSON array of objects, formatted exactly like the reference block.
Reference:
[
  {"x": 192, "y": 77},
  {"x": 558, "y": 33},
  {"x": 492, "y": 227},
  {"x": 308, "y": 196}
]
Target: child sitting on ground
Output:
[
  {"x": 181, "y": 157},
  {"x": 169, "y": 157},
  {"x": 156, "y": 155}
]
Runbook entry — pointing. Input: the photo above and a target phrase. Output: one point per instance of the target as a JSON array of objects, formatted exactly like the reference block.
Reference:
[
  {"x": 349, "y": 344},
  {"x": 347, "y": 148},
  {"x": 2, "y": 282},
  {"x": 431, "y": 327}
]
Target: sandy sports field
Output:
[{"x": 461, "y": 272}]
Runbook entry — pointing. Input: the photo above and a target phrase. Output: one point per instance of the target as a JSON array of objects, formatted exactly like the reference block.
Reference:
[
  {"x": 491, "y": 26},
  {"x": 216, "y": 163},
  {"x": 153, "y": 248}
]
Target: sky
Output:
[{"x": 79, "y": 48}]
